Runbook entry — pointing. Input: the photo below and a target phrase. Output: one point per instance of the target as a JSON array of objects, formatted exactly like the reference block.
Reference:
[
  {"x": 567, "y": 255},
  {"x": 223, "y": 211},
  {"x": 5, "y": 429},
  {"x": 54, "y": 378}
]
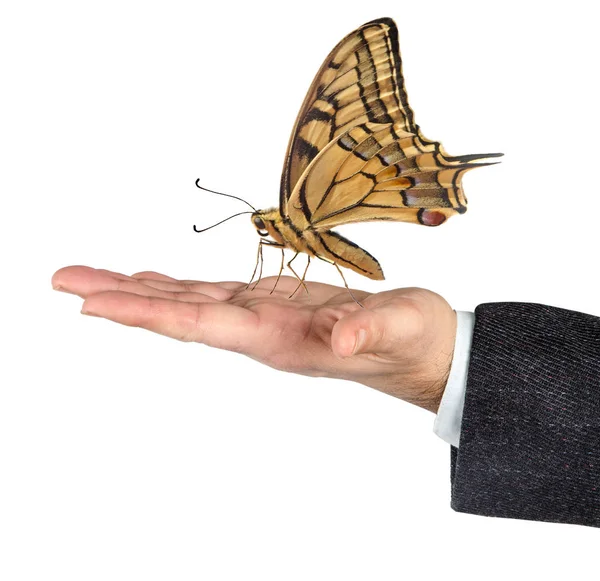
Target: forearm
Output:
[{"x": 530, "y": 438}]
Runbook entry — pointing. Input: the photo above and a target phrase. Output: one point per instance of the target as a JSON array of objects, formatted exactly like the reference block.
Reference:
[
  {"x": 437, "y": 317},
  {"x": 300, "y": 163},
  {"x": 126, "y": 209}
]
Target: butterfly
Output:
[{"x": 357, "y": 155}]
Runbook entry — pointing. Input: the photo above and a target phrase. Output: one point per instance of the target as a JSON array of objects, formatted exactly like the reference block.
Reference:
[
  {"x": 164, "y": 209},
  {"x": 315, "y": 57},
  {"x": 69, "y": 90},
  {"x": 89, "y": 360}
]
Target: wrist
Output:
[
  {"x": 421, "y": 377},
  {"x": 441, "y": 355}
]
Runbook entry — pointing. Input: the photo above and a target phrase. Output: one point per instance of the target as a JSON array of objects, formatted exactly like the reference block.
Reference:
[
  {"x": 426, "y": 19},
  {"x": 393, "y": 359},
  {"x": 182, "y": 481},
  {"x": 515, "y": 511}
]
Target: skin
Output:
[{"x": 401, "y": 343}]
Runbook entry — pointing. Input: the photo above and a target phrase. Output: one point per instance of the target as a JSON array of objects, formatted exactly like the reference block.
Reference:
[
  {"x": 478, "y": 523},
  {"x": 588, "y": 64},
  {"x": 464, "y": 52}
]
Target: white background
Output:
[{"x": 126, "y": 455}]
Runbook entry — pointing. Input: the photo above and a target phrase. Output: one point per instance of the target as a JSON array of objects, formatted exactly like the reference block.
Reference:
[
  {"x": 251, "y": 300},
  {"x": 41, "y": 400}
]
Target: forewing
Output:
[{"x": 359, "y": 82}]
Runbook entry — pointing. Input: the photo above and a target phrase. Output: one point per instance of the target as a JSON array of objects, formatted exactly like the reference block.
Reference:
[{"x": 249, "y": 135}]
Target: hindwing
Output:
[{"x": 380, "y": 172}]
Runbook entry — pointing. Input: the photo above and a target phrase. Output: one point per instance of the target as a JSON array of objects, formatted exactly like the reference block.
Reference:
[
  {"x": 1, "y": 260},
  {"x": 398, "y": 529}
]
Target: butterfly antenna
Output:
[
  {"x": 221, "y": 194},
  {"x": 205, "y": 229}
]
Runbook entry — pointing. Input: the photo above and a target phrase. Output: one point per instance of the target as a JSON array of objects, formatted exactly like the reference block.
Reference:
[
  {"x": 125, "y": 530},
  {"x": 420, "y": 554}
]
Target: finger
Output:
[
  {"x": 384, "y": 329},
  {"x": 77, "y": 279},
  {"x": 153, "y": 276},
  {"x": 158, "y": 280},
  {"x": 84, "y": 282},
  {"x": 114, "y": 274},
  {"x": 227, "y": 285},
  {"x": 232, "y": 284},
  {"x": 215, "y": 324},
  {"x": 139, "y": 288},
  {"x": 207, "y": 288}
]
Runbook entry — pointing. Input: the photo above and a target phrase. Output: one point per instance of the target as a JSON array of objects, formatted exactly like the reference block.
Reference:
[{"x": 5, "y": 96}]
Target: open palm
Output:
[{"x": 400, "y": 343}]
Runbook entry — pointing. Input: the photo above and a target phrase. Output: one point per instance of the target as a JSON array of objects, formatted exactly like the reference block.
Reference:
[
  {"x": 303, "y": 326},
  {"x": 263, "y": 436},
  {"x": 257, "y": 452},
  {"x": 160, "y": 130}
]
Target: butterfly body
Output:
[{"x": 324, "y": 244}]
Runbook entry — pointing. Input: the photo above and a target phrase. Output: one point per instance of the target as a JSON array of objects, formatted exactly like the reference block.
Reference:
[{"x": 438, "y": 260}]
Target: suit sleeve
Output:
[{"x": 530, "y": 434}]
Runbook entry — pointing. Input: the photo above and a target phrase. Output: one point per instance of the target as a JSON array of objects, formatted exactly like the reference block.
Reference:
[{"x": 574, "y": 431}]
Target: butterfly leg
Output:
[
  {"x": 258, "y": 254},
  {"x": 280, "y": 271},
  {"x": 260, "y": 260},
  {"x": 344, "y": 279},
  {"x": 301, "y": 283},
  {"x": 347, "y": 287}
]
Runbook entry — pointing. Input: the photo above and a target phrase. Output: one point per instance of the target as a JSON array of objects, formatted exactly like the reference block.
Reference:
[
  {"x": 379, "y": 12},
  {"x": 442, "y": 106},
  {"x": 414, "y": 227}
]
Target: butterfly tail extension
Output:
[
  {"x": 476, "y": 159},
  {"x": 449, "y": 176}
]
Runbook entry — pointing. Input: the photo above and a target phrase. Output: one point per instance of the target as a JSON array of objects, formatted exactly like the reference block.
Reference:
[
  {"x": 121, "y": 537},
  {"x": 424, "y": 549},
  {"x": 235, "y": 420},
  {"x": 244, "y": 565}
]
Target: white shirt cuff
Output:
[{"x": 449, "y": 417}]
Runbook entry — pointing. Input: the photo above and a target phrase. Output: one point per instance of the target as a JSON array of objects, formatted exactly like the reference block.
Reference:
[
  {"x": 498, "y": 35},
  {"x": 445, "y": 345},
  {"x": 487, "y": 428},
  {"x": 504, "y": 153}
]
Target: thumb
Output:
[{"x": 384, "y": 329}]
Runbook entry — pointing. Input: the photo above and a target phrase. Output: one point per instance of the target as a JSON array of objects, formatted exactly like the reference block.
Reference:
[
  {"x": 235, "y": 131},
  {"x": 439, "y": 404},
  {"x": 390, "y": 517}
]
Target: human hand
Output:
[{"x": 401, "y": 343}]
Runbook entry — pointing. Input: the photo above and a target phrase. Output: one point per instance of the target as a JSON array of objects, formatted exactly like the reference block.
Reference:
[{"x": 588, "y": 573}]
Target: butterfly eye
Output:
[{"x": 260, "y": 225}]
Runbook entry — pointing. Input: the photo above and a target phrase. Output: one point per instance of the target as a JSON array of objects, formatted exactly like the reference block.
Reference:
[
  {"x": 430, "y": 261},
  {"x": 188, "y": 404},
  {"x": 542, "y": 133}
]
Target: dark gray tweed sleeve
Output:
[{"x": 530, "y": 436}]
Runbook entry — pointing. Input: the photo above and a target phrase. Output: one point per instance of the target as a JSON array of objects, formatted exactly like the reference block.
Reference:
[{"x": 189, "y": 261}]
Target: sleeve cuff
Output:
[{"x": 449, "y": 417}]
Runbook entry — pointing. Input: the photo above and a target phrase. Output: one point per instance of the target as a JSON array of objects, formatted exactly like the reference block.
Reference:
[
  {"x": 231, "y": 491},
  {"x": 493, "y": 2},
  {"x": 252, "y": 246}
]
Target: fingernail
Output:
[
  {"x": 58, "y": 288},
  {"x": 84, "y": 311},
  {"x": 360, "y": 339}
]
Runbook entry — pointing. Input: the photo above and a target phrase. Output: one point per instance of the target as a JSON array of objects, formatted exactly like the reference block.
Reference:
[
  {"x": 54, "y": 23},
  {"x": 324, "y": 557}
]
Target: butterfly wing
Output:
[
  {"x": 360, "y": 81},
  {"x": 357, "y": 155},
  {"x": 379, "y": 172},
  {"x": 333, "y": 247}
]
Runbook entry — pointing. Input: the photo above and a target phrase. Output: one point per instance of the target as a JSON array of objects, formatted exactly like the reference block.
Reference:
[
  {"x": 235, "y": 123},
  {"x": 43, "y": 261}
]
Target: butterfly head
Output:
[{"x": 265, "y": 223}]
